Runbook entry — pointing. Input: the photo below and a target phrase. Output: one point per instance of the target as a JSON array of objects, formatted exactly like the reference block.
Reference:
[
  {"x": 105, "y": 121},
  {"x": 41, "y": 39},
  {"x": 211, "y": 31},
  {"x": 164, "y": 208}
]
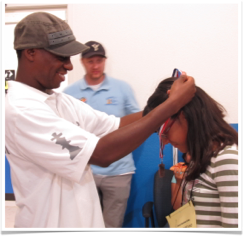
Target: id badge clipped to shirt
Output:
[{"x": 184, "y": 217}]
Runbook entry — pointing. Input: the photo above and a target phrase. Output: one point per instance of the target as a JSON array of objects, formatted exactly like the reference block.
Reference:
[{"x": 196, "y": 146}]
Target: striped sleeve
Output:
[
  {"x": 226, "y": 178},
  {"x": 216, "y": 192}
]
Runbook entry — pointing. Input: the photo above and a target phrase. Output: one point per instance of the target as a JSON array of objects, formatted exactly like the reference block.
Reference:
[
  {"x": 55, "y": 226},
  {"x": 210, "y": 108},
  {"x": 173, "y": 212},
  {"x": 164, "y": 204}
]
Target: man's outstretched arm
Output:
[{"x": 135, "y": 129}]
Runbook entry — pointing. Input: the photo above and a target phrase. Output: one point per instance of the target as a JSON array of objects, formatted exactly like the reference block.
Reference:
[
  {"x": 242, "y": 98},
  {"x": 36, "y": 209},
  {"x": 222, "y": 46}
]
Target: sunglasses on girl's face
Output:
[{"x": 163, "y": 132}]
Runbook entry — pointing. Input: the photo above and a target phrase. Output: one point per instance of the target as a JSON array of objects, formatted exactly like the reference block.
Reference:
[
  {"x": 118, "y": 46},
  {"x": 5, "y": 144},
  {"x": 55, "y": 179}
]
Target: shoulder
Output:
[
  {"x": 228, "y": 153},
  {"x": 73, "y": 86},
  {"x": 119, "y": 82},
  {"x": 121, "y": 87},
  {"x": 226, "y": 161},
  {"x": 223, "y": 166},
  {"x": 22, "y": 97},
  {"x": 229, "y": 150},
  {"x": 66, "y": 98}
]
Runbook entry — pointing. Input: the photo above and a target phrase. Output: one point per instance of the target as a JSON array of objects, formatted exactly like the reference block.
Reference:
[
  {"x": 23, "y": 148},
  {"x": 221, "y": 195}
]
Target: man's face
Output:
[
  {"x": 51, "y": 70},
  {"x": 94, "y": 67}
]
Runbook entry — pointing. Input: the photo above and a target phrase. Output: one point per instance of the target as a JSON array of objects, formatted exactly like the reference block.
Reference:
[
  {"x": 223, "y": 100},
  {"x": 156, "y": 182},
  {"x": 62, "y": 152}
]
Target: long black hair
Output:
[{"x": 208, "y": 132}]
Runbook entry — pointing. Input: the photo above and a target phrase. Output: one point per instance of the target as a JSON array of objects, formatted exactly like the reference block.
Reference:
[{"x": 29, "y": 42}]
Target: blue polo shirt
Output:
[{"x": 114, "y": 97}]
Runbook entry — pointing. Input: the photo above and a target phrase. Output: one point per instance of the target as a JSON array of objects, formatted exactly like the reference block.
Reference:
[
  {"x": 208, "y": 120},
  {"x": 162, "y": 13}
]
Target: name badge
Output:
[{"x": 184, "y": 217}]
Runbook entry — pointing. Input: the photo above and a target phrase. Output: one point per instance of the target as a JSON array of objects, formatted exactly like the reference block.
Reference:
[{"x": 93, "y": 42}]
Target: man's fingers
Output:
[{"x": 183, "y": 77}]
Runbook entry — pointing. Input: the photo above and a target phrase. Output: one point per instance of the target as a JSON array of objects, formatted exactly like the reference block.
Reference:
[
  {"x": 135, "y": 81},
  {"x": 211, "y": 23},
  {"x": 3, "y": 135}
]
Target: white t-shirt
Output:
[{"x": 49, "y": 141}]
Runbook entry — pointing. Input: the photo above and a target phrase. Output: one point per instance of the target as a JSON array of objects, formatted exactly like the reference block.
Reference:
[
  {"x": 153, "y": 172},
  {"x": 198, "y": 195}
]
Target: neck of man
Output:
[{"x": 94, "y": 81}]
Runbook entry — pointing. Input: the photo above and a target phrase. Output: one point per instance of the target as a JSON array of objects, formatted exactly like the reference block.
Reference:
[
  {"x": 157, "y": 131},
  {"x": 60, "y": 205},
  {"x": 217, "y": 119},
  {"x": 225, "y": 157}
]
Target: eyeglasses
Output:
[{"x": 163, "y": 132}]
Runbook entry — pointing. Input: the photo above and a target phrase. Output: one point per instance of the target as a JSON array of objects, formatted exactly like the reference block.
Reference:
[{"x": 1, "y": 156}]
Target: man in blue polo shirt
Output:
[{"x": 114, "y": 97}]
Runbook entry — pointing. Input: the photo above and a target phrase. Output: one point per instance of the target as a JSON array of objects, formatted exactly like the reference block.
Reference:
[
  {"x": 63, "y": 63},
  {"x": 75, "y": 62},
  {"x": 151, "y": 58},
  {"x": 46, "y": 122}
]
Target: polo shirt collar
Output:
[{"x": 105, "y": 84}]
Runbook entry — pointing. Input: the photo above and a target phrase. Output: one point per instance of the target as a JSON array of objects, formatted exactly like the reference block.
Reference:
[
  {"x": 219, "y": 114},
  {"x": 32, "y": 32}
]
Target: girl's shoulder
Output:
[{"x": 229, "y": 155}]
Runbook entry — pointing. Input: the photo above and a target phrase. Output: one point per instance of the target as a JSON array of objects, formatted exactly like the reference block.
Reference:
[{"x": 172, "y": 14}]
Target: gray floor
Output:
[{"x": 10, "y": 210}]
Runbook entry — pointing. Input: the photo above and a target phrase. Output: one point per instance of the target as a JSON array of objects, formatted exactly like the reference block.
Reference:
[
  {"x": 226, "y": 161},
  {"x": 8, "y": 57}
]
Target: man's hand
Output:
[{"x": 182, "y": 90}]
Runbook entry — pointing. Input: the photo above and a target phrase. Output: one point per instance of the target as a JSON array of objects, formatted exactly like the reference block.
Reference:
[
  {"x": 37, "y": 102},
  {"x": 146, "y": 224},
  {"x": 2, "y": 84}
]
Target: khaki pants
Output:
[{"x": 114, "y": 192}]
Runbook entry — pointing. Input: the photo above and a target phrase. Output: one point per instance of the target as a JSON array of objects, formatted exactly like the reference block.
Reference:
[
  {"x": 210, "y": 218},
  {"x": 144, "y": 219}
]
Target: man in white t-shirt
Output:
[{"x": 52, "y": 138}]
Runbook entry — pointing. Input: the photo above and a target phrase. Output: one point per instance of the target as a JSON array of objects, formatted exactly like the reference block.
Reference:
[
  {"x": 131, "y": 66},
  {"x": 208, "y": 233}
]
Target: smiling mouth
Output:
[{"x": 62, "y": 76}]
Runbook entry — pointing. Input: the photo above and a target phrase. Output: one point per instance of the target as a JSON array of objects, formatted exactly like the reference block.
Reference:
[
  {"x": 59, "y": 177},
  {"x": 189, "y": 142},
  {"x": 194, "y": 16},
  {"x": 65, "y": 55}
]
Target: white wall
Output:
[{"x": 145, "y": 42}]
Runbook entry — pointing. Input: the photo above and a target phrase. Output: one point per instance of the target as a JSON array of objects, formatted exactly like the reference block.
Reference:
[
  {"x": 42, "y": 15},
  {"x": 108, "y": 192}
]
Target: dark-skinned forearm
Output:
[
  {"x": 126, "y": 120},
  {"x": 119, "y": 143},
  {"x": 131, "y": 134}
]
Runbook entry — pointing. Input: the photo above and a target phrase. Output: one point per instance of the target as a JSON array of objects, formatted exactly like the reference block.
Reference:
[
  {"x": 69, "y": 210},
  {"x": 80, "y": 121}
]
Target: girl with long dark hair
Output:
[{"x": 199, "y": 129}]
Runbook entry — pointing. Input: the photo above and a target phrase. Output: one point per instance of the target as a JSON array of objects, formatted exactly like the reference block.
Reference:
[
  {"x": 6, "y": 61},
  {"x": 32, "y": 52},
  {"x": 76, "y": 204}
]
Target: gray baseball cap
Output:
[{"x": 44, "y": 30}]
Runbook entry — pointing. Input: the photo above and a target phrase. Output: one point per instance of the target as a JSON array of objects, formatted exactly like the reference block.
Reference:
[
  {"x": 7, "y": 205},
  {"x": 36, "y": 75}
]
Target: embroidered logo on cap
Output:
[{"x": 95, "y": 46}]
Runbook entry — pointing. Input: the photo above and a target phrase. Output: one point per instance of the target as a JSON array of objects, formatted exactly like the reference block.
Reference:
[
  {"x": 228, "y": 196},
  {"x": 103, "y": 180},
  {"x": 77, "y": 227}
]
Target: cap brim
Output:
[
  {"x": 69, "y": 49},
  {"x": 92, "y": 54}
]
